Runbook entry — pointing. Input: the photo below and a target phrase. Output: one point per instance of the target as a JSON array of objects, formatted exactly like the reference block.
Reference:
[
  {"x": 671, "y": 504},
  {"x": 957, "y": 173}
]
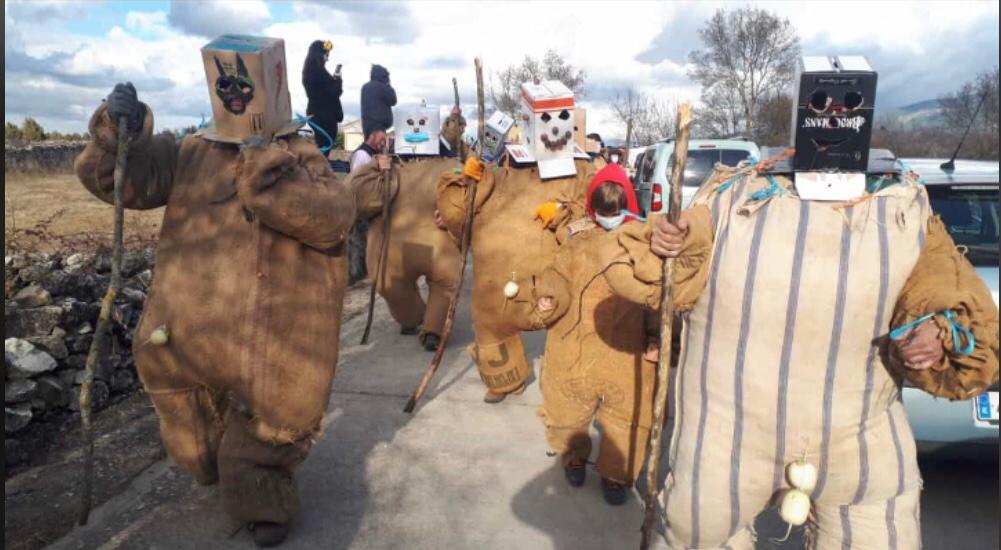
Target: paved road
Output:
[{"x": 458, "y": 474}]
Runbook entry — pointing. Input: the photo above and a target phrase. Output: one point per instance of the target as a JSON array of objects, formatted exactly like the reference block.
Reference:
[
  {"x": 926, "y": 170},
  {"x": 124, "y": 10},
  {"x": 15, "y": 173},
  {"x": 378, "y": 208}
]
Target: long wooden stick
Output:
[
  {"x": 460, "y": 145},
  {"x": 624, "y": 161},
  {"x": 467, "y": 232},
  {"x": 103, "y": 325},
  {"x": 383, "y": 247},
  {"x": 666, "y": 326}
]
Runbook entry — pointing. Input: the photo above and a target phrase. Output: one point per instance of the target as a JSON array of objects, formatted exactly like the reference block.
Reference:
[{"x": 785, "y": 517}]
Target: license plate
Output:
[{"x": 985, "y": 409}]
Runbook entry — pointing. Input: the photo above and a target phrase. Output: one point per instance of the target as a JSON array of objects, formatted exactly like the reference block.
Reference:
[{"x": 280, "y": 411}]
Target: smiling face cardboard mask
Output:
[
  {"x": 416, "y": 130},
  {"x": 495, "y": 133},
  {"x": 548, "y": 114},
  {"x": 248, "y": 88}
]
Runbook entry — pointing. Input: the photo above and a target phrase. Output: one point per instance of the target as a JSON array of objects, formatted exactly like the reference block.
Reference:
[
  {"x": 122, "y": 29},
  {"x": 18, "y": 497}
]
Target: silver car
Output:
[{"x": 967, "y": 200}]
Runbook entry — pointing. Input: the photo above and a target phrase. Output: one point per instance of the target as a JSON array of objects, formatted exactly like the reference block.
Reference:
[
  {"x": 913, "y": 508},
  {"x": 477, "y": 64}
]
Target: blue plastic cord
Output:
[
  {"x": 955, "y": 329},
  {"x": 317, "y": 128},
  {"x": 767, "y": 192}
]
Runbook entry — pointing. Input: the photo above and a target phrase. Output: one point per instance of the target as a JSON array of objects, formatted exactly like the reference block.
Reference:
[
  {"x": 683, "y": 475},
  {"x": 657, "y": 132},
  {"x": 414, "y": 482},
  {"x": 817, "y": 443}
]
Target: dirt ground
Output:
[{"x": 45, "y": 212}]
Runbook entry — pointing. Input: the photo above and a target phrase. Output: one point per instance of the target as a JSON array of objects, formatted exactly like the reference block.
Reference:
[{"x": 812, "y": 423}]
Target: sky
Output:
[{"x": 63, "y": 57}]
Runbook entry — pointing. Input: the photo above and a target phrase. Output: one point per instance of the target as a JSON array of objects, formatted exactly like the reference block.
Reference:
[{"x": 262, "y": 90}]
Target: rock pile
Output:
[{"x": 50, "y": 309}]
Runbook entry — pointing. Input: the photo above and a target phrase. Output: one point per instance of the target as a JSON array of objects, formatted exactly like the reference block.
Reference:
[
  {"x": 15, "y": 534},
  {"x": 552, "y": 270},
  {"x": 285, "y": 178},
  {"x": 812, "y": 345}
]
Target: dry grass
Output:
[{"x": 49, "y": 212}]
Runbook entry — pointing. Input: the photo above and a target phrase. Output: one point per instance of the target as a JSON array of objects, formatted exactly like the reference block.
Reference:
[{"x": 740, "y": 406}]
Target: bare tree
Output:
[
  {"x": 749, "y": 55},
  {"x": 653, "y": 119},
  {"x": 775, "y": 120},
  {"x": 505, "y": 93},
  {"x": 959, "y": 107},
  {"x": 720, "y": 115}
]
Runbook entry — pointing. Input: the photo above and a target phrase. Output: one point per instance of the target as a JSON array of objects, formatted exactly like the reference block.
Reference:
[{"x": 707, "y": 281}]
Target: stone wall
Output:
[
  {"x": 46, "y": 156},
  {"x": 50, "y": 308}
]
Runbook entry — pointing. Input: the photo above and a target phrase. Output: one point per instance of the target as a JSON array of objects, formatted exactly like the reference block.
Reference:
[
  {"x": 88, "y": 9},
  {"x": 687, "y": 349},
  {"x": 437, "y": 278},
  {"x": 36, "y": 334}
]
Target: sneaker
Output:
[
  {"x": 575, "y": 473},
  {"x": 614, "y": 492},
  {"x": 267, "y": 534},
  {"x": 430, "y": 341}
]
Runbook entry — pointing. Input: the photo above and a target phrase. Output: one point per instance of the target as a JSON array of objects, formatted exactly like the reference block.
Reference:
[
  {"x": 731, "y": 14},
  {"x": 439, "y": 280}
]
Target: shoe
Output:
[
  {"x": 493, "y": 397},
  {"x": 267, "y": 534},
  {"x": 409, "y": 331},
  {"x": 431, "y": 341},
  {"x": 614, "y": 492},
  {"x": 575, "y": 473}
]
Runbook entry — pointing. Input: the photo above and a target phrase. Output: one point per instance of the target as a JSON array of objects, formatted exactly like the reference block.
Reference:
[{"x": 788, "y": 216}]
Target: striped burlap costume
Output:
[{"x": 786, "y": 356}]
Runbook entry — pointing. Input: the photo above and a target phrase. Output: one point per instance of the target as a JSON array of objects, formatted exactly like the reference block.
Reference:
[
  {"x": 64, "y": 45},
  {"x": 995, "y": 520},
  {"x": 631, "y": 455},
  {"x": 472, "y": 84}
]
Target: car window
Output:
[
  {"x": 698, "y": 166},
  {"x": 970, "y": 214},
  {"x": 731, "y": 157}
]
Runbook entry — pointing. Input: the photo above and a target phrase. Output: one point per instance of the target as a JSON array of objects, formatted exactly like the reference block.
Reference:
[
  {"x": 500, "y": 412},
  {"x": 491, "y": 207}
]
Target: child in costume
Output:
[{"x": 600, "y": 349}]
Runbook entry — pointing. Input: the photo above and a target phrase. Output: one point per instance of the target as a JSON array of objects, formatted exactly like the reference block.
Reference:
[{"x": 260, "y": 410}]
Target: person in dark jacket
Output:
[
  {"x": 324, "y": 92},
  {"x": 377, "y": 100}
]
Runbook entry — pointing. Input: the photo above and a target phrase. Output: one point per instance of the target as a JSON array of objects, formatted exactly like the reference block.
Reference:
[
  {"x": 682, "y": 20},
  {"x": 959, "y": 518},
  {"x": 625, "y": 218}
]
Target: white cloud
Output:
[{"x": 211, "y": 18}]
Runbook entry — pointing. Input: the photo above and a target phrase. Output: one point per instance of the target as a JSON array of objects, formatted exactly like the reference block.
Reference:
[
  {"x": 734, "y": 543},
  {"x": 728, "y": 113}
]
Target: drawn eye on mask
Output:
[
  {"x": 235, "y": 90},
  {"x": 418, "y": 134}
]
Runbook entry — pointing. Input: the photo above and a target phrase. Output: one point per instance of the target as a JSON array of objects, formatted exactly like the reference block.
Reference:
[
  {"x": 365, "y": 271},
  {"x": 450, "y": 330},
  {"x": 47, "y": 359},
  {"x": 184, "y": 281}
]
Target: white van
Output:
[{"x": 653, "y": 168}]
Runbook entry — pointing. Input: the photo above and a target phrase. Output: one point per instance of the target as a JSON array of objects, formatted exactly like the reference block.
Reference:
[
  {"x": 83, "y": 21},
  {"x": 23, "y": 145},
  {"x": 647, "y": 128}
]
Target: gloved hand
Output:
[
  {"x": 123, "y": 102},
  {"x": 547, "y": 211},
  {"x": 473, "y": 168}
]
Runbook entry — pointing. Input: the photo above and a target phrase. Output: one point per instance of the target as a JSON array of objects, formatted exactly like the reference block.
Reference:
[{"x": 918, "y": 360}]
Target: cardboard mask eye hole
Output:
[
  {"x": 853, "y": 100},
  {"x": 819, "y": 100},
  {"x": 564, "y": 114},
  {"x": 545, "y": 117}
]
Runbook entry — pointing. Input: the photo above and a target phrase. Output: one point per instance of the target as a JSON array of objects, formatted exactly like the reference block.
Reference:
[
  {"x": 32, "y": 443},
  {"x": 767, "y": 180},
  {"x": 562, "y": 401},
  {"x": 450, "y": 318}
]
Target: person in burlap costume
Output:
[
  {"x": 600, "y": 358},
  {"x": 788, "y": 307},
  {"x": 249, "y": 285},
  {"x": 511, "y": 238},
  {"x": 418, "y": 244}
]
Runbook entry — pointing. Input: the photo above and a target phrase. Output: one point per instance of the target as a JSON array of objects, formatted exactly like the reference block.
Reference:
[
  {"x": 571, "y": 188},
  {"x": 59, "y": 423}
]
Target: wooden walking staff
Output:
[
  {"x": 624, "y": 161},
  {"x": 103, "y": 324},
  {"x": 666, "y": 324},
  {"x": 467, "y": 231},
  {"x": 383, "y": 247},
  {"x": 458, "y": 107}
]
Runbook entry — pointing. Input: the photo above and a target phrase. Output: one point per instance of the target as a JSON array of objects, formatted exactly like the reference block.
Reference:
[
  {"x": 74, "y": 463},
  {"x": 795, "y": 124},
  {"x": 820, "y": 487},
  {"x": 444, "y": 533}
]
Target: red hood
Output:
[{"x": 614, "y": 173}]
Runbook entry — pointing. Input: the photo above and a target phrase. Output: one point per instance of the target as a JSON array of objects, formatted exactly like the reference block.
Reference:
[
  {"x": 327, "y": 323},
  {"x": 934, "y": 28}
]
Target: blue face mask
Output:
[{"x": 416, "y": 138}]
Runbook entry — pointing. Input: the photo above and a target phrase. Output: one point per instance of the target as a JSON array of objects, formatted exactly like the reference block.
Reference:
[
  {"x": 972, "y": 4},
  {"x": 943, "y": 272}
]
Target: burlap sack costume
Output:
[
  {"x": 786, "y": 356},
  {"x": 507, "y": 238},
  {"x": 417, "y": 246},
  {"x": 249, "y": 280}
]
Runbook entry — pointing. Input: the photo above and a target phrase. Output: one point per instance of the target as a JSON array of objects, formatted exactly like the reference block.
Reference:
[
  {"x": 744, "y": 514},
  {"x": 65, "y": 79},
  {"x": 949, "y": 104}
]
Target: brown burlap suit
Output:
[
  {"x": 417, "y": 246},
  {"x": 508, "y": 239},
  {"x": 787, "y": 356},
  {"x": 249, "y": 280}
]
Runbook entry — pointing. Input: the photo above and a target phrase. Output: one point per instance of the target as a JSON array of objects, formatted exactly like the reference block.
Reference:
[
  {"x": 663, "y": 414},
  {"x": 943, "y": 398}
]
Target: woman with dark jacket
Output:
[{"x": 324, "y": 92}]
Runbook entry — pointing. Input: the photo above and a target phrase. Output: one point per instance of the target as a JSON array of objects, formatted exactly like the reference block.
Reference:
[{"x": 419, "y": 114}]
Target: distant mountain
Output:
[{"x": 922, "y": 114}]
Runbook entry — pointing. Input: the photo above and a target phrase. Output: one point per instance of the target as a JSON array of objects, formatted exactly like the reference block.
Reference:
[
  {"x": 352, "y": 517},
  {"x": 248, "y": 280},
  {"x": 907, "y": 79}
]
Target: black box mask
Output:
[{"x": 833, "y": 113}]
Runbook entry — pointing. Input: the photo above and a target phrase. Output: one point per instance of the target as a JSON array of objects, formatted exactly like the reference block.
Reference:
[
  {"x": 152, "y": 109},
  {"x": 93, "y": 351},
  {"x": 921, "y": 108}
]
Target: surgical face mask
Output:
[{"x": 610, "y": 222}]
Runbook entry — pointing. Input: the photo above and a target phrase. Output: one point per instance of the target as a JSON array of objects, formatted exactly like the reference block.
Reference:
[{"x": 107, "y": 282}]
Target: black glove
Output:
[{"x": 123, "y": 102}]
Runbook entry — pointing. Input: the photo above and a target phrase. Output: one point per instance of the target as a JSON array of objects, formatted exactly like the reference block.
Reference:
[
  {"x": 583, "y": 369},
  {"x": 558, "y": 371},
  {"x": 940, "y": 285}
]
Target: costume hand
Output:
[
  {"x": 259, "y": 167},
  {"x": 473, "y": 168},
  {"x": 922, "y": 348},
  {"x": 667, "y": 237},
  {"x": 545, "y": 304},
  {"x": 123, "y": 102},
  {"x": 547, "y": 211}
]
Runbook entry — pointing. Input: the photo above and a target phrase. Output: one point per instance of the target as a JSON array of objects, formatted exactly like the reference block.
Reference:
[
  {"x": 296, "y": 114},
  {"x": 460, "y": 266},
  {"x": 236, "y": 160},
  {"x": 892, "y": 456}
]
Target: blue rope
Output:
[
  {"x": 317, "y": 128},
  {"x": 955, "y": 330},
  {"x": 767, "y": 192}
]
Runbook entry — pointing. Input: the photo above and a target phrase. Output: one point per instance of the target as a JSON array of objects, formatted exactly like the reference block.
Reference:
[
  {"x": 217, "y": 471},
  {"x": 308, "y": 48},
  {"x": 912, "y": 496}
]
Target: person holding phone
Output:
[{"x": 323, "y": 91}]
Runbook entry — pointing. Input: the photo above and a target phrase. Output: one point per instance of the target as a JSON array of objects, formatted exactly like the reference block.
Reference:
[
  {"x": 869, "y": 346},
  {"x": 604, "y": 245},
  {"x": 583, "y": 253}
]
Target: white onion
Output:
[
  {"x": 795, "y": 507},
  {"x": 160, "y": 335},
  {"x": 802, "y": 475}
]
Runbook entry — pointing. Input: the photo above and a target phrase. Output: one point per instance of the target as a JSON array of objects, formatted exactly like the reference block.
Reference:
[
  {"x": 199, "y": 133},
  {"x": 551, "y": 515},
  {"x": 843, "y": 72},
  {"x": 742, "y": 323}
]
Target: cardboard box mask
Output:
[
  {"x": 495, "y": 135},
  {"x": 548, "y": 111},
  {"x": 416, "y": 130},
  {"x": 248, "y": 88}
]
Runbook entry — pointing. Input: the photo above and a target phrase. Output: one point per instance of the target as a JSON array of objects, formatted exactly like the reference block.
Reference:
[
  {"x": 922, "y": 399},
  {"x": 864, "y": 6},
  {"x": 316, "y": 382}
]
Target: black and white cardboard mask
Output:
[{"x": 495, "y": 135}]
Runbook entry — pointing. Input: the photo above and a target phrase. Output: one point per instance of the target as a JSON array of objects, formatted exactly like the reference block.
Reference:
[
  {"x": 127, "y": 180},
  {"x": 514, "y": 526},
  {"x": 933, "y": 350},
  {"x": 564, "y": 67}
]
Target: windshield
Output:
[
  {"x": 970, "y": 213},
  {"x": 701, "y": 161}
]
